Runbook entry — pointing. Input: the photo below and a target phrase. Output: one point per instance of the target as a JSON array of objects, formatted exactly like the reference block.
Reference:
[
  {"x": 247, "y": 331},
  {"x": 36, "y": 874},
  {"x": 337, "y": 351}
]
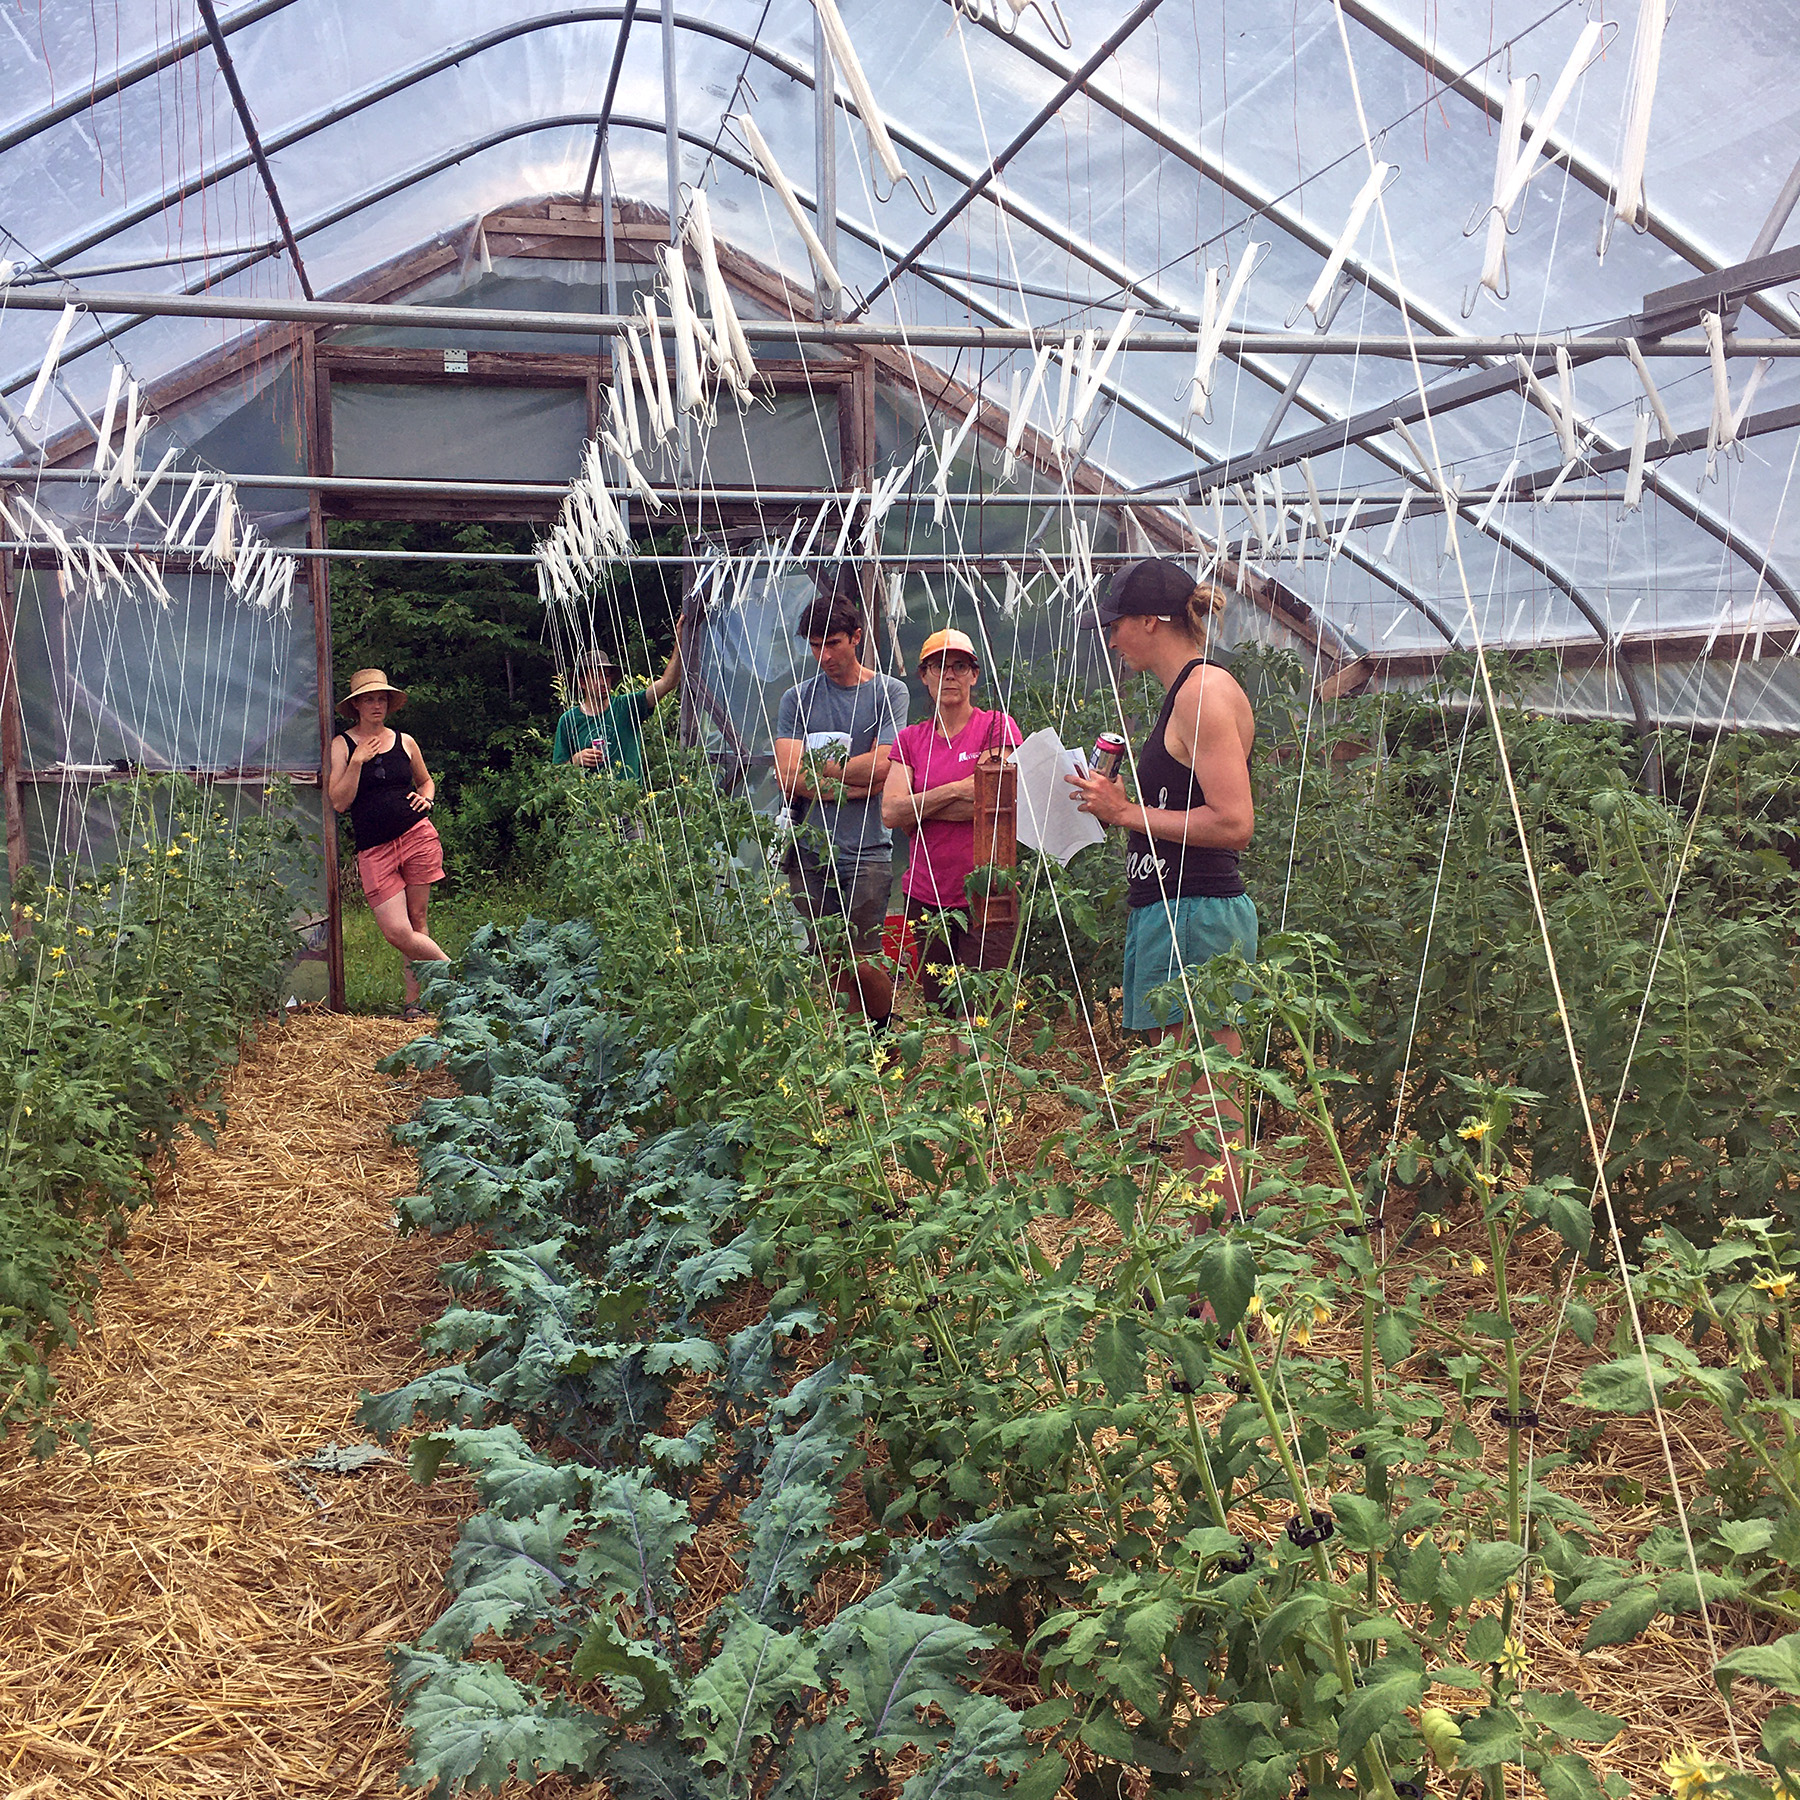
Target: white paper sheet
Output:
[{"x": 1050, "y": 821}]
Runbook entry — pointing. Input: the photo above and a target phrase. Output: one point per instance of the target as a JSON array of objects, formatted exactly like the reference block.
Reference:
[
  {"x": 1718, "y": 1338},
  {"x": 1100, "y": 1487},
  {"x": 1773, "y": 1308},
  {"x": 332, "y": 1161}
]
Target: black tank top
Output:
[
  {"x": 380, "y": 812},
  {"x": 1157, "y": 869}
]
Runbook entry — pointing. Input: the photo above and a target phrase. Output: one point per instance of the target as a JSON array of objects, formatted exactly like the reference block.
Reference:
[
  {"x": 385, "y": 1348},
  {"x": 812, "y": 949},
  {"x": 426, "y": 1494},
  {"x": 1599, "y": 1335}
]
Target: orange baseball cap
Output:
[{"x": 941, "y": 642}]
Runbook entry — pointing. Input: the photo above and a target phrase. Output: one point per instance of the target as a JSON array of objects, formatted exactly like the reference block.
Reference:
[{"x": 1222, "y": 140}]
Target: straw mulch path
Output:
[{"x": 177, "y": 1617}]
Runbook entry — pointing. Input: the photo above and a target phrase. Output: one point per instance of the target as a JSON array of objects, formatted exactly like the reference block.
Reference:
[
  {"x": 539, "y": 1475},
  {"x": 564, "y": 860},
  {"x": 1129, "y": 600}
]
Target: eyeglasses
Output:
[{"x": 948, "y": 668}]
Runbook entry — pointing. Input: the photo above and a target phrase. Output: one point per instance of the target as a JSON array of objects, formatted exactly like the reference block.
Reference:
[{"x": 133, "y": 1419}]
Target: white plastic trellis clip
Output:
[
  {"x": 1512, "y": 127},
  {"x": 1634, "y": 476},
  {"x": 1393, "y": 536},
  {"x": 784, "y": 189},
  {"x": 736, "y": 363},
  {"x": 949, "y": 449},
  {"x": 1344, "y": 530},
  {"x": 1312, "y": 497},
  {"x": 1212, "y": 331},
  {"x": 690, "y": 392},
  {"x": 187, "y": 500},
  {"x": 843, "y": 53},
  {"x": 657, "y": 402},
  {"x": 1565, "y": 429},
  {"x": 1359, "y": 211},
  {"x": 1090, "y": 385},
  {"x": 624, "y": 396},
  {"x": 1655, "y": 399},
  {"x": 1501, "y": 488},
  {"x": 1579, "y": 58},
  {"x": 52, "y": 356},
  {"x": 147, "y": 488},
  {"x": 103, "y": 443},
  {"x": 1628, "y": 203},
  {"x": 223, "y": 547},
  {"x": 1722, "y": 431},
  {"x": 1020, "y": 414}
]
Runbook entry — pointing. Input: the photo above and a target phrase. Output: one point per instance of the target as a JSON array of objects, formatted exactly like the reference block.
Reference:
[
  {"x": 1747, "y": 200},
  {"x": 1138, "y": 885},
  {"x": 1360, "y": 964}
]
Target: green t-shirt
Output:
[{"x": 618, "y": 726}]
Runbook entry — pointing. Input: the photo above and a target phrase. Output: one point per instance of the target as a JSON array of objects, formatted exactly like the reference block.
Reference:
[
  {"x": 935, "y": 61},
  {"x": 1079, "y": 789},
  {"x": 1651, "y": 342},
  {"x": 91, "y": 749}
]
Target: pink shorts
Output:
[{"x": 415, "y": 857}]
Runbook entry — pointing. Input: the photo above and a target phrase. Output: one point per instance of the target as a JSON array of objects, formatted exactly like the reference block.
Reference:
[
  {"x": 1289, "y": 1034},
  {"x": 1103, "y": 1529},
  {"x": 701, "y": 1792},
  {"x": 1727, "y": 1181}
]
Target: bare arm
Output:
[
  {"x": 1204, "y": 732},
  {"x": 424, "y": 788},
  {"x": 344, "y": 776},
  {"x": 789, "y": 776},
  {"x": 865, "y": 774},
  {"x": 903, "y": 810},
  {"x": 665, "y": 682}
]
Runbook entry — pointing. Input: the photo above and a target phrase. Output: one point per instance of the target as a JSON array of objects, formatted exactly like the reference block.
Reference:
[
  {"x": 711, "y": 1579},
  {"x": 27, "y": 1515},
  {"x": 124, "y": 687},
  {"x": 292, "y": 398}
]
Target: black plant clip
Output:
[
  {"x": 1377, "y": 1223},
  {"x": 1359, "y": 1452},
  {"x": 1409, "y": 1790},
  {"x": 1241, "y": 1564},
  {"x": 1237, "y": 1384},
  {"x": 1526, "y": 1420},
  {"x": 1305, "y": 1536},
  {"x": 1179, "y": 1384}
]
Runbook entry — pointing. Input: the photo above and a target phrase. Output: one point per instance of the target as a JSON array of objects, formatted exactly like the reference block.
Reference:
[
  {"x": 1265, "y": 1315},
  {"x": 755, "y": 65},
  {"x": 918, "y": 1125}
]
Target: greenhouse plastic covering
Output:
[{"x": 1215, "y": 126}]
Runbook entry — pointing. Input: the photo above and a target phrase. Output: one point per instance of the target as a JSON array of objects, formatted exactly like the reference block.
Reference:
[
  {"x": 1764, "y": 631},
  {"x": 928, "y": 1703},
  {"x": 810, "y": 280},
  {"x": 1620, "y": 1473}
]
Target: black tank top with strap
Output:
[
  {"x": 380, "y": 812},
  {"x": 1154, "y": 868}
]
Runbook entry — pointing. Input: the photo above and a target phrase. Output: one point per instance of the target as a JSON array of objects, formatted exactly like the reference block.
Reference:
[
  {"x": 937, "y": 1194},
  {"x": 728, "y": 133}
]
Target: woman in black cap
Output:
[{"x": 1192, "y": 817}]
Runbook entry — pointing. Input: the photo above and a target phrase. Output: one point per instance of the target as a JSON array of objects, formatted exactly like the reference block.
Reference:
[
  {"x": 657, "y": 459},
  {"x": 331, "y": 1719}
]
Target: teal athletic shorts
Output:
[{"x": 1162, "y": 940}]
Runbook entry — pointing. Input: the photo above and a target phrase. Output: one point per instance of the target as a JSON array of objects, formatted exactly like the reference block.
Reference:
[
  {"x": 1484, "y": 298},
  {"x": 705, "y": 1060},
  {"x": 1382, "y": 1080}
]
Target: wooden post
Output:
[
  {"x": 995, "y": 916},
  {"x": 12, "y": 734},
  {"x": 318, "y": 579}
]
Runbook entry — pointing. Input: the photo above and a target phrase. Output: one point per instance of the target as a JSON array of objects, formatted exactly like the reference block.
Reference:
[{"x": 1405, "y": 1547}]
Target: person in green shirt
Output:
[{"x": 606, "y": 730}]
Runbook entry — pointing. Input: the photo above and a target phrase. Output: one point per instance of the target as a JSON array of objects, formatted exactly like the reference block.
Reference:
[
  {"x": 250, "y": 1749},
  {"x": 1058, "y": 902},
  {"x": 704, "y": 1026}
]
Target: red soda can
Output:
[{"x": 1109, "y": 753}]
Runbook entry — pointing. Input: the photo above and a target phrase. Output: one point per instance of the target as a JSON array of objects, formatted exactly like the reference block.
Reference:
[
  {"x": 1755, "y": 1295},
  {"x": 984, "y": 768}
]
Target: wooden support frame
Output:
[{"x": 315, "y": 404}]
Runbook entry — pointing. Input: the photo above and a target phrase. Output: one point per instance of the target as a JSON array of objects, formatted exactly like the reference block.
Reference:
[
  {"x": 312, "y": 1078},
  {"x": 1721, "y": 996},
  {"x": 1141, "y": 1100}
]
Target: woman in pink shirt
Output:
[{"x": 930, "y": 792}]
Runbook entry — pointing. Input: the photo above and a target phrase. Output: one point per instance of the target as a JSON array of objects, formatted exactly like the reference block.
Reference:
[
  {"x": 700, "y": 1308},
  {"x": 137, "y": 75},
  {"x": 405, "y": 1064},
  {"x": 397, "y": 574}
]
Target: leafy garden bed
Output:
[
  {"x": 125, "y": 992},
  {"x": 824, "y": 1416}
]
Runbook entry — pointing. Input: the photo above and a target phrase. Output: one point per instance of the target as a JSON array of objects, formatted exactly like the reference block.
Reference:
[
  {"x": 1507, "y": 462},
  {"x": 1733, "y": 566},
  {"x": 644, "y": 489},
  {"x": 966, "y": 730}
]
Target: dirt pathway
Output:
[{"x": 177, "y": 1617}]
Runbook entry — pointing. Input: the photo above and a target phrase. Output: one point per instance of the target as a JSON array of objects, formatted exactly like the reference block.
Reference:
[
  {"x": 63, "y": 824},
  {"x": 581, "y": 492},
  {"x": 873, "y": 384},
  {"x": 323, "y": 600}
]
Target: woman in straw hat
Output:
[{"x": 378, "y": 776}]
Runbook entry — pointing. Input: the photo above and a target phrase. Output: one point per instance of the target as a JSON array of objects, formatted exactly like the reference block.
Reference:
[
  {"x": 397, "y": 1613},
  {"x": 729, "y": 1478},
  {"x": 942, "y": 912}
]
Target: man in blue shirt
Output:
[{"x": 841, "y": 863}]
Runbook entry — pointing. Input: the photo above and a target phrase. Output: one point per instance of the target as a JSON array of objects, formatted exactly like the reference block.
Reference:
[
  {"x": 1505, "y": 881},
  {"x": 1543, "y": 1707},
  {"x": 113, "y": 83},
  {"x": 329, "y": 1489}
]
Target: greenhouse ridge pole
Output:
[
  {"x": 247, "y": 119},
  {"x": 1033, "y": 126}
]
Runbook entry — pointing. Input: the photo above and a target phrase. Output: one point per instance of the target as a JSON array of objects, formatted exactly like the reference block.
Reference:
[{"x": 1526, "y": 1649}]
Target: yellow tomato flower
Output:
[
  {"x": 820, "y": 1138},
  {"x": 1018, "y": 1006},
  {"x": 1474, "y": 1131},
  {"x": 981, "y": 1021},
  {"x": 1689, "y": 1773},
  {"x": 1437, "y": 1227},
  {"x": 1255, "y": 1305},
  {"x": 1321, "y": 1312},
  {"x": 82, "y": 931},
  {"x": 1777, "y": 1286},
  {"x": 1515, "y": 1665},
  {"x": 58, "y": 950},
  {"x": 1477, "y": 1266}
]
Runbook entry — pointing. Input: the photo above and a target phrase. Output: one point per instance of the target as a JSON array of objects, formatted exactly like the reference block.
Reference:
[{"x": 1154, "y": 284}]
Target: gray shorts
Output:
[{"x": 860, "y": 896}]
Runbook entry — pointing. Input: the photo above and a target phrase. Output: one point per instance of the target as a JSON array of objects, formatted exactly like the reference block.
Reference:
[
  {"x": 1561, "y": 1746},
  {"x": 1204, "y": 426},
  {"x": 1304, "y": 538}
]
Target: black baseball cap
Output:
[{"x": 1155, "y": 588}]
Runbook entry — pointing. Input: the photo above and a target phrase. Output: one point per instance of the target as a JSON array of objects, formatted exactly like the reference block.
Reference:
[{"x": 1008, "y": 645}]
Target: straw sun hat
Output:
[{"x": 372, "y": 681}]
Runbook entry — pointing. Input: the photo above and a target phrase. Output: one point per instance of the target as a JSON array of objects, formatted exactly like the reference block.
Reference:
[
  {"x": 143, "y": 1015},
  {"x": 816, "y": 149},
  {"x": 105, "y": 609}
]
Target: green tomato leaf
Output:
[
  {"x": 1624, "y": 1619},
  {"x": 1570, "y": 1719},
  {"x": 1377, "y": 1706},
  {"x": 1226, "y": 1277},
  {"x": 1775, "y": 1665}
]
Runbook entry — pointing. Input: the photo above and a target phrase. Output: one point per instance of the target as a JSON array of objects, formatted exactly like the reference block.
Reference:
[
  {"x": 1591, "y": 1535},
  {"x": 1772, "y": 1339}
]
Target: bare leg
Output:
[
  {"x": 1218, "y": 1109},
  {"x": 396, "y": 917}
]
